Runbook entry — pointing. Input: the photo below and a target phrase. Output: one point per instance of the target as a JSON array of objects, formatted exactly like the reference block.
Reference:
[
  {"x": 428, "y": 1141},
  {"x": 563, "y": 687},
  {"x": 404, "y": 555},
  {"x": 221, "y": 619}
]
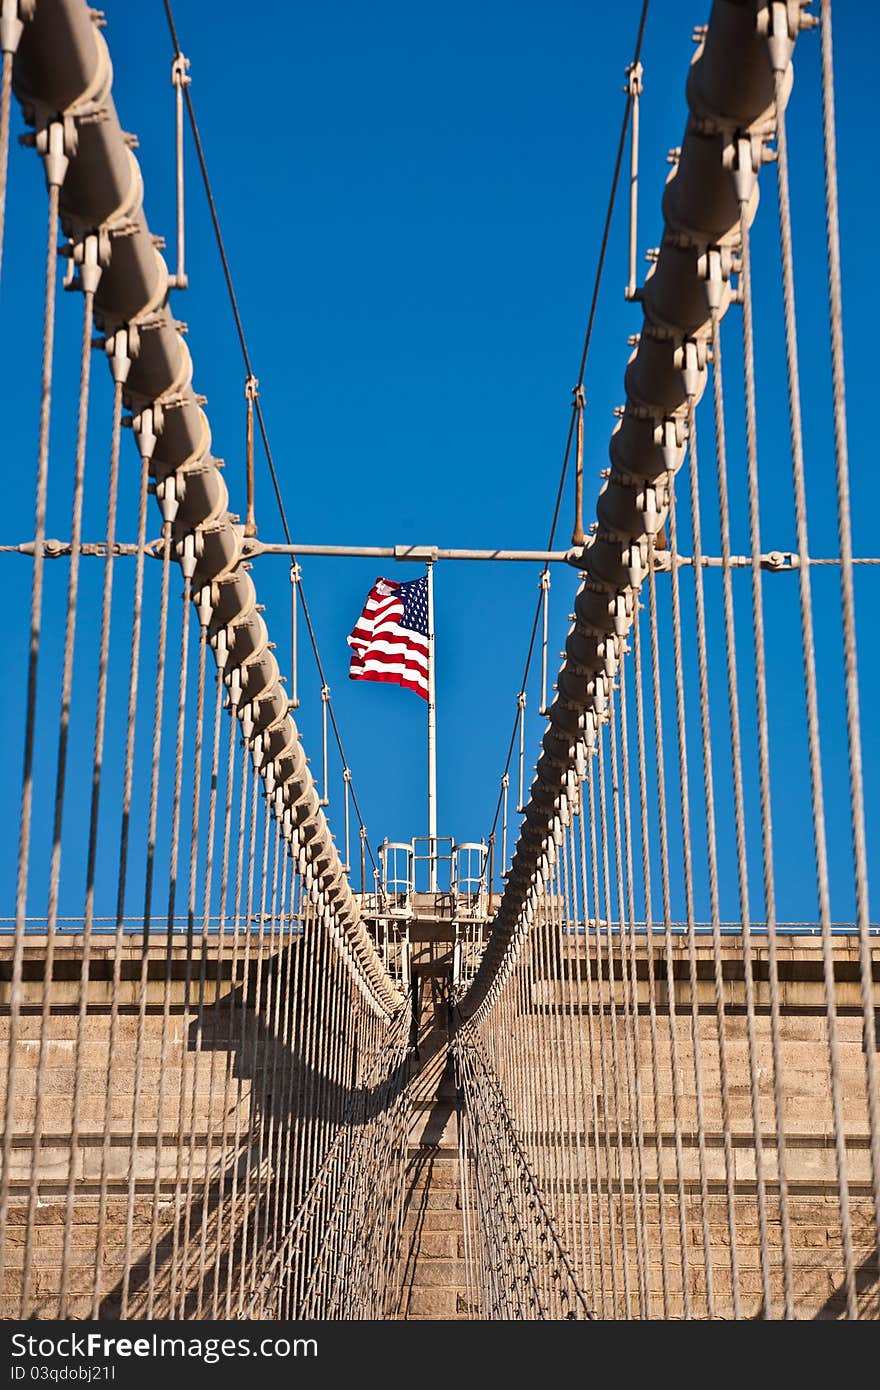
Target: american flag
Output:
[{"x": 390, "y": 638}]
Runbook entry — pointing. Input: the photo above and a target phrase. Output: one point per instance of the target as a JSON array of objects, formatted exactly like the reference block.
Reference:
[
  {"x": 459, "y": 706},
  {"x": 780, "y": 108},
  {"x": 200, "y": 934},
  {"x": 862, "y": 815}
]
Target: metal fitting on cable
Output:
[
  {"x": 590, "y": 730},
  {"x": 744, "y": 156},
  {"x": 780, "y": 22},
  {"x": 204, "y": 601},
  {"x": 257, "y": 748},
  {"x": 690, "y": 359},
  {"x": 121, "y": 346},
  {"x": 13, "y": 14},
  {"x": 670, "y": 435},
  {"x": 55, "y": 141},
  {"x": 147, "y": 426},
  {"x": 233, "y": 685},
  {"x": 180, "y": 71},
  {"x": 220, "y": 642},
  {"x": 652, "y": 509},
  {"x": 634, "y": 556},
  {"x": 189, "y": 550},
  {"x": 634, "y": 74},
  {"x": 88, "y": 254},
  {"x": 609, "y": 650},
  {"x": 715, "y": 266}
]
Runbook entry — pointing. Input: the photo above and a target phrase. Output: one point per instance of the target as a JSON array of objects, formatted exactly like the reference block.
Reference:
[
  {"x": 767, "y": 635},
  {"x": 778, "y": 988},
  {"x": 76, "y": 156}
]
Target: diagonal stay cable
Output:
[
  {"x": 264, "y": 434},
  {"x": 588, "y": 337}
]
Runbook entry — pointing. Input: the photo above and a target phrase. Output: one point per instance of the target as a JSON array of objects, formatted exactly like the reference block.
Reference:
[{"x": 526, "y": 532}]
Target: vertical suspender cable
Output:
[
  {"x": 809, "y": 654},
  {"x": 505, "y": 784},
  {"x": 143, "y": 982},
  {"x": 346, "y": 787},
  {"x": 118, "y": 352},
  {"x": 857, "y": 796},
  {"x": 687, "y": 856},
  {"x": 667, "y": 924},
  {"x": 179, "y": 80},
  {"x": 125, "y": 827},
  {"x": 295, "y": 576},
  {"x": 55, "y": 170},
  {"x": 711, "y": 841},
  {"x": 577, "y": 534},
  {"x": 521, "y": 706},
  {"x": 182, "y": 1210},
  {"x": 61, "y": 771},
  {"x": 250, "y": 394},
  {"x": 644, "y": 805},
  {"x": 545, "y": 622},
  {"x": 633, "y": 88},
  {"x": 173, "y": 869},
  {"x": 325, "y": 771},
  {"x": 5, "y": 113}
]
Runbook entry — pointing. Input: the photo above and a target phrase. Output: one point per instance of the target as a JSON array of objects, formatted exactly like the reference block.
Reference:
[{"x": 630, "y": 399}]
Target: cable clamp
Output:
[
  {"x": 634, "y": 74},
  {"x": 55, "y": 141},
  {"x": 121, "y": 347},
  {"x": 89, "y": 254},
  {"x": 204, "y": 601},
  {"x": 690, "y": 359},
  {"x": 715, "y": 266},
  {"x": 180, "y": 71}
]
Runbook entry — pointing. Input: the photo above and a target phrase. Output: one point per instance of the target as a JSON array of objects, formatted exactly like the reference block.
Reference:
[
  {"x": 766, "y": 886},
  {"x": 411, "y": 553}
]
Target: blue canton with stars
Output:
[{"x": 415, "y": 605}]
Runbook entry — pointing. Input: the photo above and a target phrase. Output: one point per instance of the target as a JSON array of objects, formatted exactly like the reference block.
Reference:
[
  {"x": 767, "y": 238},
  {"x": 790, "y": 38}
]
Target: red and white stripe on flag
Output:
[{"x": 382, "y": 648}]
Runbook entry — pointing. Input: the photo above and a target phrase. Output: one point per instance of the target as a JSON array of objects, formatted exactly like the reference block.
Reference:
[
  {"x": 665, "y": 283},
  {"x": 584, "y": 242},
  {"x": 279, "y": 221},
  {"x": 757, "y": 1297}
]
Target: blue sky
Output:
[{"x": 412, "y": 199}]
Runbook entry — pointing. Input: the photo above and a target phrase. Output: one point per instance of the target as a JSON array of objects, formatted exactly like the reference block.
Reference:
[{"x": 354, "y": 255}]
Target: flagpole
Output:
[{"x": 432, "y": 736}]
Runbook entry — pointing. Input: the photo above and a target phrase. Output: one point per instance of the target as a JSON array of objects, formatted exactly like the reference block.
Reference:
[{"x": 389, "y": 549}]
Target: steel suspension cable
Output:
[
  {"x": 687, "y": 855},
  {"x": 5, "y": 115},
  {"x": 264, "y": 433},
  {"x": 36, "y": 614},
  {"x": 847, "y": 591},
  {"x": 642, "y": 762},
  {"x": 585, "y": 352},
  {"x": 124, "y": 835},
  {"x": 809, "y": 654},
  {"x": 60, "y": 779},
  {"x": 711, "y": 838}
]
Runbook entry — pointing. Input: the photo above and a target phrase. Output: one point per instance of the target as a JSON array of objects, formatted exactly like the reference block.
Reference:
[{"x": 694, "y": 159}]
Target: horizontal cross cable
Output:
[{"x": 771, "y": 561}]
